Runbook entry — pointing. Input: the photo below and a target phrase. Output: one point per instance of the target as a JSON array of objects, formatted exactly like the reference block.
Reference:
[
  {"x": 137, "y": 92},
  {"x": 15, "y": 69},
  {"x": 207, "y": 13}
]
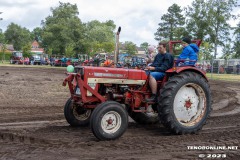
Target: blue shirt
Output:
[
  {"x": 189, "y": 52},
  {"x": 162, "y": 62}
]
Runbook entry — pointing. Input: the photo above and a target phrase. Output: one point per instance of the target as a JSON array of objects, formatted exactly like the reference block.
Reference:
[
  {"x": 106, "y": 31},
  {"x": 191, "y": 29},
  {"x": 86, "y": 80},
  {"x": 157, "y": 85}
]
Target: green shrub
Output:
[{"x": 7, "y": 56}]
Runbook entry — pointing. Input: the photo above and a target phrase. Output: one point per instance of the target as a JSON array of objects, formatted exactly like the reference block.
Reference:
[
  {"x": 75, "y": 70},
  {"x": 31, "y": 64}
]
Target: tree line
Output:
[
  {"x": 207, "y": 20},
  {"x": 64, "y": 33}
]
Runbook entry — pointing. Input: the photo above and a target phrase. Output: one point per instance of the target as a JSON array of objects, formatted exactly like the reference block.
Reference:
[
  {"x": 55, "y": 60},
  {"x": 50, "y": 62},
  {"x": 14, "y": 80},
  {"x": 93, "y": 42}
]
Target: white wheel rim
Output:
[
  {"x": 111, "y": 122},
  {"x": 189, "y": 104}
]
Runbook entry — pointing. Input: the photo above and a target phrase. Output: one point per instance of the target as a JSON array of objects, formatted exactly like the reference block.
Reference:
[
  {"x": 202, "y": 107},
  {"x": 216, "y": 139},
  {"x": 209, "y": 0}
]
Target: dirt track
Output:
[{"x": 32, "y": 124}]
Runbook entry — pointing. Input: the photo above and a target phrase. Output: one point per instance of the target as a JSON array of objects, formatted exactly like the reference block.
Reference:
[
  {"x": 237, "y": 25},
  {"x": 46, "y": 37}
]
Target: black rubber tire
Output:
[
  {"x": 98, "y": 114},
  {"x": 167, "y": 97},
  {"x": 72, "y": 119},
  {"x": 143, "y": 118}
]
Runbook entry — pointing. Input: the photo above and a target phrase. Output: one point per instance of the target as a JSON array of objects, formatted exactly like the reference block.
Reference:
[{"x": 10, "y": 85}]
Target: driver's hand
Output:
[{"x": 150, "y": 68}]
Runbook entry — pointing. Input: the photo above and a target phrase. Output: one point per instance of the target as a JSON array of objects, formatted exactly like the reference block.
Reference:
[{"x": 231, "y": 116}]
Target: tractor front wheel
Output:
[
  {"x": 76, "y": 115},
  {"x": 109, "y": 121},
  {"x": 185, "y": 103}
]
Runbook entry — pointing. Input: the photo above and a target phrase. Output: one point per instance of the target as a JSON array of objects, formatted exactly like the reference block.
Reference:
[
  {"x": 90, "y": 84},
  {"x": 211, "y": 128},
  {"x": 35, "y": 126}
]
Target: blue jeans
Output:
[{"x": 156, "y": 75}]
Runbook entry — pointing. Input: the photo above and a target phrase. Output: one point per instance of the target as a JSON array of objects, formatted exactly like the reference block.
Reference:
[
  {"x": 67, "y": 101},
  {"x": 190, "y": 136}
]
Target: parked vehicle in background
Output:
[
  {"x": 129, "y": 61},
  {"x": 16, "y": 57},
  {"x": 74, "y": 61},
  {"x": 238, "y": 68},
  {"x": 62, "y": 62},
  {"x": 100, "y": 58},
  {"x": 218, "y": 66},
  {"x": 139, "y": 62},
  {"x": 82, "y": 58},
  {"x": 231, "y": 66},
  {"x": 37, "y": 59}
]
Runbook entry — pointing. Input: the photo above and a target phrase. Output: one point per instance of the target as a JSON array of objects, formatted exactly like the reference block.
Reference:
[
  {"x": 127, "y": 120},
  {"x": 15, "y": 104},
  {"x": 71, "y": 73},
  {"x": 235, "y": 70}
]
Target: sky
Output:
[{"x": 138, "y": 18}]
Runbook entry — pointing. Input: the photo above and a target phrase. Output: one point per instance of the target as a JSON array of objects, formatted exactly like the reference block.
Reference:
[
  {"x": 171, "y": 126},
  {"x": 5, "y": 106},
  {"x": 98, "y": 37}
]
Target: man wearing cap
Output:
[
  {"x": 189, "y": 52},
  {"x": 162, "y": 62}
]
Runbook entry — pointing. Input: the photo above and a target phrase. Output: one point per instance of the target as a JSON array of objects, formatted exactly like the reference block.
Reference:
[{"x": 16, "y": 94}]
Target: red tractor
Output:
[
  {"x": 104, "y": 98},
  {"x": 16, "y": 57}
]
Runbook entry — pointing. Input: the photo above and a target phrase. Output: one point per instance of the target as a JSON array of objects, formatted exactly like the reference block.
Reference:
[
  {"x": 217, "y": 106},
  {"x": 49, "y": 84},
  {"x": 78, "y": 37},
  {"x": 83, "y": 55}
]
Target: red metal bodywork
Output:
[
  {"x": 186, "y": 68},
  {"x": 81, "y": 80},
  {"x": 116, "y": 73}
]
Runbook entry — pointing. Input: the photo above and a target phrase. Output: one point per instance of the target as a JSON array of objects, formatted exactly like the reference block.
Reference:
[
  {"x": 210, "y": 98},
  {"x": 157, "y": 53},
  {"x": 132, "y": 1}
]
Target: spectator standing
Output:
[
  {"x": 26, "y": 60},
  {"x": 31, "y": 60},
  {"x": 52, "y": 61},
  {"x": 238, "y": 68}
]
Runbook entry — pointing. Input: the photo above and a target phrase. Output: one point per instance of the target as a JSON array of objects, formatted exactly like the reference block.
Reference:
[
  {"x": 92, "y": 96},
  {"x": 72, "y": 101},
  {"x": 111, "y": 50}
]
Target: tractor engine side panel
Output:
[
  {"x": 105, "y": 72},
  {"x": 114, "y": 73},
  {"x": 118, "y": 76}
]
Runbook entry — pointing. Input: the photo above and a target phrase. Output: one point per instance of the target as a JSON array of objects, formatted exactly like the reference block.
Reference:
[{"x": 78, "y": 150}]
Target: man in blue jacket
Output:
[
  {"x": 162, "y": 62},
  {"x": 189, "y": 54}
]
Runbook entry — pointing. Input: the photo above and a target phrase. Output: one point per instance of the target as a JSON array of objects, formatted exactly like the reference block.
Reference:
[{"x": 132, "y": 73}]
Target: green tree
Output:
[
  {"x": 171, "y": 25},
  {"x": 17, "y": 36},
  {"x": 108, "y": 47},
  {"x": 37, "y": 34},
  {"x": 130, "y": 47},
  {"x": 219, "y": 13},
  {"x": 69, "y": 50},
  {"x": 26, "y": 49},
  {"x": 227, "y": 51},
  {"x": 236, "y": 44},
  {"x": 205, "y": 51},
  {"x": 2, "y": 37},
  {"x": 3, "y": 46},
  {"x": 100, "y": 32},
  {"x": 100, "y": 36},
  {"x": 197, "y": 19},
  {"x": 144, "y": 45},
  {"x": 62, "y": 29}
]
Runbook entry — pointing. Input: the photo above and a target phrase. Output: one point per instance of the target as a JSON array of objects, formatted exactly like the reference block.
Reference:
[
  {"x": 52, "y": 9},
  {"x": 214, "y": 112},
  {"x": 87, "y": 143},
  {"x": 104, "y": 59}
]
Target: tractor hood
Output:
[{"x": 114, "y": 73}]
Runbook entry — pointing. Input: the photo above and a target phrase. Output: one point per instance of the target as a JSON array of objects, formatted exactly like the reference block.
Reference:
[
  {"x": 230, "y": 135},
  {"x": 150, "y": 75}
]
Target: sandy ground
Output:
[{"x": 32, "y": 124}]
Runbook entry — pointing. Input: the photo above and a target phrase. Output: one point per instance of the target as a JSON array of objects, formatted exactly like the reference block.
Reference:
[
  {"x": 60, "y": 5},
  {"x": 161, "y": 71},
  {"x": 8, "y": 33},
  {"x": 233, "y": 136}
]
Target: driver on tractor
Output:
[{"x": 162, "y": 62}]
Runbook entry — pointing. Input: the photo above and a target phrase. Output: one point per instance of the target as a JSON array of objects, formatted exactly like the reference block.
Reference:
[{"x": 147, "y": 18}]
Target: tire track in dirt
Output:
[
  {"x": 157, "y": 141},
  {"x": 233, "y": 103}
]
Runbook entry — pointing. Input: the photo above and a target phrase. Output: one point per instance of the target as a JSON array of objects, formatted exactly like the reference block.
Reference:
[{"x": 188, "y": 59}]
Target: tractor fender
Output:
[{"x": 187, "y": 68}]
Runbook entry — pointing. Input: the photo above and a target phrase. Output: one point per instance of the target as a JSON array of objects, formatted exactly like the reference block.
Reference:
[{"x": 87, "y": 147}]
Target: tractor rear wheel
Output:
[
  {"x": 109, "y": 121},
  {"x": 185, "y": 103},
  {"x": 76, "y": 115},
  {"x": 149, "y": 117}
]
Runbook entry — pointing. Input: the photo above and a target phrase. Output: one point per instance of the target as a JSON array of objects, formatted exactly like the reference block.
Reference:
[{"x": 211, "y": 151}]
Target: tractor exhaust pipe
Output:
[{"x": 116, "y": 53}]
